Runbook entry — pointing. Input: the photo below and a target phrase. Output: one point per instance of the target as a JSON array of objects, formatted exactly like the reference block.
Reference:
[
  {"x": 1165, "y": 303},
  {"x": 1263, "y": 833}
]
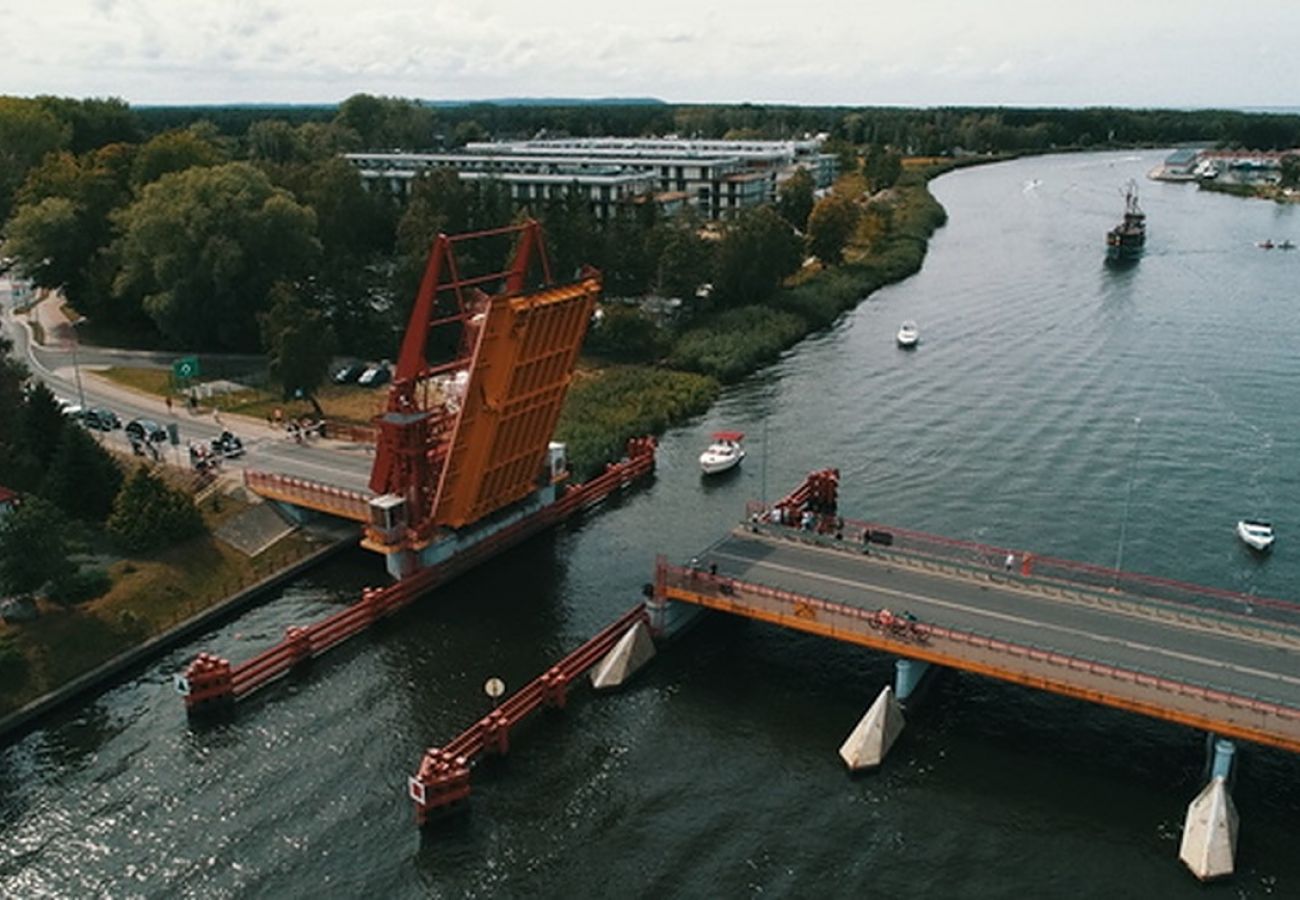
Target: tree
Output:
[
  {"x": 882, "y": 168},
  {"x": 1290, "y": 170},
  {"x": 33, "y": 546},
  {"x": 27, "y": 133},
  {"x": 173, "y": 151},
  {"x": 795, "y": 198},
  {"x": 299, "y": 342},
  {"x": 18, "y": 468},
  {"x": 62, "y": 229},
  {"x": 758, "y": 250},
  {"x": 94, "y": 122},
  {"x": 685, "y": 260},
  {"x": 468, "y": 132},
  {"x": 274, "y": 140},
  {"x": 830, "y": 226},
  {"x": 203, "y": 247},
  {"x": 82, "y": 478},
  {"x": 42, "y": 426},
  {"x": 148, "y": 515}
]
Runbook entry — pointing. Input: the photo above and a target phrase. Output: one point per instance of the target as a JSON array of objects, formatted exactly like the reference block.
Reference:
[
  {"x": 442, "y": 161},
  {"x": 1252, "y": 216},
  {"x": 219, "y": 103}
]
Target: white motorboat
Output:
[
  {"x": 724, "y": 453},
  {"x": 1258, "y": 535},
  {"x": 908, "y": 334}
]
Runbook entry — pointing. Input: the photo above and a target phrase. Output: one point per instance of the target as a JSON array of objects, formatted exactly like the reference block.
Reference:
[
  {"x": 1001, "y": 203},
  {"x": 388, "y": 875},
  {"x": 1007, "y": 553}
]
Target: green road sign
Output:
[{"x": 186, "y": 367}]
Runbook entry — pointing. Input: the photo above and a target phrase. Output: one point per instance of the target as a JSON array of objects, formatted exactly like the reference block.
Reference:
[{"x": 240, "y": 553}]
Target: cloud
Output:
[{"x": 922, "y": 52}]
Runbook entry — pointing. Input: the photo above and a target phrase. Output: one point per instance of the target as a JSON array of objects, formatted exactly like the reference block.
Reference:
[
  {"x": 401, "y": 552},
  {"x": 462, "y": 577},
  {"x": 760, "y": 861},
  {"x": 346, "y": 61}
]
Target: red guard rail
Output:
[
  {"x": 211, "y": 682},
  {"x": 917, "y": 640},
  {"x": 442, "y": 779},
  {"x": 326, "y": 498}
]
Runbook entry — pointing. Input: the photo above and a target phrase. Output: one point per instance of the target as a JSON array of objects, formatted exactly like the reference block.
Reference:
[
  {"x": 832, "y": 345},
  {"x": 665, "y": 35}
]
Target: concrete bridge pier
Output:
[
  {"x": 1209, "y": 845},
  {"x": 867, "y": 744}
]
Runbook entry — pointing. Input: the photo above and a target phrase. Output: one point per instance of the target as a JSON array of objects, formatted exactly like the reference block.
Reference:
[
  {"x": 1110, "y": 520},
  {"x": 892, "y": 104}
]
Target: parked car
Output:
[
  {"x": 101, "y": 419},
  {"x": 375, "y": 376},
  {"x": 146, "y": 431},
  {"x": 350, "y": 373},
  {"x": 227, "y": 445}
]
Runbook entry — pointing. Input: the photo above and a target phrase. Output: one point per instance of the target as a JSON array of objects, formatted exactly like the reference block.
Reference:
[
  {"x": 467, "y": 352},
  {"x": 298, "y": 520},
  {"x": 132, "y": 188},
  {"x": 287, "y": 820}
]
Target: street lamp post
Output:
[{"x": 76, "y": 365}]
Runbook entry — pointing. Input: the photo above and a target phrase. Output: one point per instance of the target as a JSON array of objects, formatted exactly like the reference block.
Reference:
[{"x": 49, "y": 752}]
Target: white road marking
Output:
[{"x": 1006, "y": 617}]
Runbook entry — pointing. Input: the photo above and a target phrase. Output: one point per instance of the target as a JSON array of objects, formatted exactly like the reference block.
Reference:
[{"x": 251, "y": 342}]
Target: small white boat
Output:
[
  {"x": 1258, "y": 535},
  {"x": 908, "y": 334},
  {"x": 724, "y": 453}
]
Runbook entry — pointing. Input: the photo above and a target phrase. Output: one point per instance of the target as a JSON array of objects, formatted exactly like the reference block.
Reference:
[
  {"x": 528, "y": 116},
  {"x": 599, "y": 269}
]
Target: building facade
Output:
[{"x": 717, "y": 179}]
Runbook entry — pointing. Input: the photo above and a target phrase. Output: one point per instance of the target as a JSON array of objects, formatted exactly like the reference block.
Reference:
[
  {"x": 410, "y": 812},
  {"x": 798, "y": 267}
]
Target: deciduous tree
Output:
[
  {"x": 27, "y": 133},
  {"x": 795, "y": 198},
  {"x": 829, "y": 227},
  {"x": 148, "y": 515},
  {"x": 33, "y": 547},
  {"x": 299, "y": 342},
  {"x": 757, "y": 251},
  {"x": 203, "y": 247}
]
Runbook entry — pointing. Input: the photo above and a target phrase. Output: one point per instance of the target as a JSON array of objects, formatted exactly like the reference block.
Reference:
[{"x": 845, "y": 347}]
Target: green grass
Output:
[
  {"x": 341, "y": 402},
  {"x": 149, "y": 595},
  {"x": 157, "y": 382}
]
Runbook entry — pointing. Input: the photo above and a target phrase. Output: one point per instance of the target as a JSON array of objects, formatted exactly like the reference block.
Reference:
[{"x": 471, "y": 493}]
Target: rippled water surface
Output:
[{"x": 1016, "y": 422}]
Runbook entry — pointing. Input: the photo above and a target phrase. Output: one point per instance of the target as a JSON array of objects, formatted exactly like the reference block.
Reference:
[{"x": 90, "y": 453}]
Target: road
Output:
[
  {"x": 269, "y": 449},
  {"x": 1240, "y": 655}
]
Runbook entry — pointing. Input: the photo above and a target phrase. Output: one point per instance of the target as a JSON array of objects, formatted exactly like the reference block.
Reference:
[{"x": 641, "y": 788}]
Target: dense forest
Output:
[{"x": 236, "y": 228}]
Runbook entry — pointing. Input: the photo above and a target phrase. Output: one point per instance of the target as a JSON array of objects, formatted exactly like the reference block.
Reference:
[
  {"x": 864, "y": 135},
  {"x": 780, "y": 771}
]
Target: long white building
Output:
[{"x": 717, "y": 178}]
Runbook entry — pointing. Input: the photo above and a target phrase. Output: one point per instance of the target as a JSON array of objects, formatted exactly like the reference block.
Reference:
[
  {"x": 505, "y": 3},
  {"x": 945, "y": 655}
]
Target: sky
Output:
[{"x": 1165, "y": 53}]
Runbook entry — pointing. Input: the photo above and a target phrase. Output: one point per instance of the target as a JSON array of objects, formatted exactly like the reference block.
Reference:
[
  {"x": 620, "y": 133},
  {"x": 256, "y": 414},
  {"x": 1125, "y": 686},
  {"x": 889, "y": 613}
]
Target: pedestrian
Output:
[
  {"x": 169, "y": 404},
  {"x": 1010, "y": 561}
]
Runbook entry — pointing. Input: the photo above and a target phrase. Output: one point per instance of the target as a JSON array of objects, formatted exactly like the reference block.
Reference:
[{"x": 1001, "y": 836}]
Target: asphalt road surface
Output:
[{"x": 1261, "y": 659}]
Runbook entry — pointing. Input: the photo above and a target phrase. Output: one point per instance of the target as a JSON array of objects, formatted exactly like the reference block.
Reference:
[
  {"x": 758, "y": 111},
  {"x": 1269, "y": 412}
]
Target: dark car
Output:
[
  {"x": 145, "y": 430},
  {"x": 227, "y": 445},
  {"x": 375, "y": 376},
  {"x": 349, "y": 373},
  {"x": 101, "y": 419}
]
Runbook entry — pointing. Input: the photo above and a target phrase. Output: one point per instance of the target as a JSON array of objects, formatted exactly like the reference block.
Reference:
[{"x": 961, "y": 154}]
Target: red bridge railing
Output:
[
  {"x": 886, "y": 539},
  {"x": 442, "y": 779},
  {"x": 904, "y": 637},
  {"x": 326, "y": 498},
  {"x": 211, "y": 682}
]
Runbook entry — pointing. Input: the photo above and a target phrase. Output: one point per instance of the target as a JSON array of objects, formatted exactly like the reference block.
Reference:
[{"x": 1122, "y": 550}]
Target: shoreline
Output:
[
  {"x": 88, "y": 684},
  {"x": 690, "y": 394}
]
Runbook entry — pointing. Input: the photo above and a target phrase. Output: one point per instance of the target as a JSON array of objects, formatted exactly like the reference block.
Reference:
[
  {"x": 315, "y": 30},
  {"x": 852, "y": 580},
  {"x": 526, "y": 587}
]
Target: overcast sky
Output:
[{"x": 1177, "y": 53}]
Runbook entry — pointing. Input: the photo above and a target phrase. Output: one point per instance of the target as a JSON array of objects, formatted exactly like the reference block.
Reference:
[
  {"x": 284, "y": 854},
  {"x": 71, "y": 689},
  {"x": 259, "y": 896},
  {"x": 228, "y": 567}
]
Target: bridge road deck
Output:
[{"x": 1232, "y": 673}]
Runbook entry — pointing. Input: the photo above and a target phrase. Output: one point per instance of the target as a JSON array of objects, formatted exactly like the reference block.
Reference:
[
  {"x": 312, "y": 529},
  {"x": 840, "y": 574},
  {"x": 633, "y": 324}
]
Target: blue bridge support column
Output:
[{"x": 907, "y": 677}]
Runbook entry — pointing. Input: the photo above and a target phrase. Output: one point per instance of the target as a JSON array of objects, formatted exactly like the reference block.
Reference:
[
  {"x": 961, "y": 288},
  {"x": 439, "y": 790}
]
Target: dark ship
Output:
[{"x": 1124, "y": 242}]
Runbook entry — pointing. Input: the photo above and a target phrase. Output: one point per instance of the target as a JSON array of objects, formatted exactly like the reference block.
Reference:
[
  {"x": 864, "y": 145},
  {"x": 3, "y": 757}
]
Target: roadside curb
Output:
[{"x": 106, "y": 674}]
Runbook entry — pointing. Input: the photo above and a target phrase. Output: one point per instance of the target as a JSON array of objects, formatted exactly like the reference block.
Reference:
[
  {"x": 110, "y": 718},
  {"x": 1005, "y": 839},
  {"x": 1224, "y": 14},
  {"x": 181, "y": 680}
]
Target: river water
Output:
[{"x": 1052, "y": 405}]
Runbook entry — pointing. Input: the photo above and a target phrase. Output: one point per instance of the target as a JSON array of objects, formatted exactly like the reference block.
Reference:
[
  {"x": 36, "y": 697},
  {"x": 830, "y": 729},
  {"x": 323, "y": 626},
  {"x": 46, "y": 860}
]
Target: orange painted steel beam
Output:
[{"x": 803, "y": 617}]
